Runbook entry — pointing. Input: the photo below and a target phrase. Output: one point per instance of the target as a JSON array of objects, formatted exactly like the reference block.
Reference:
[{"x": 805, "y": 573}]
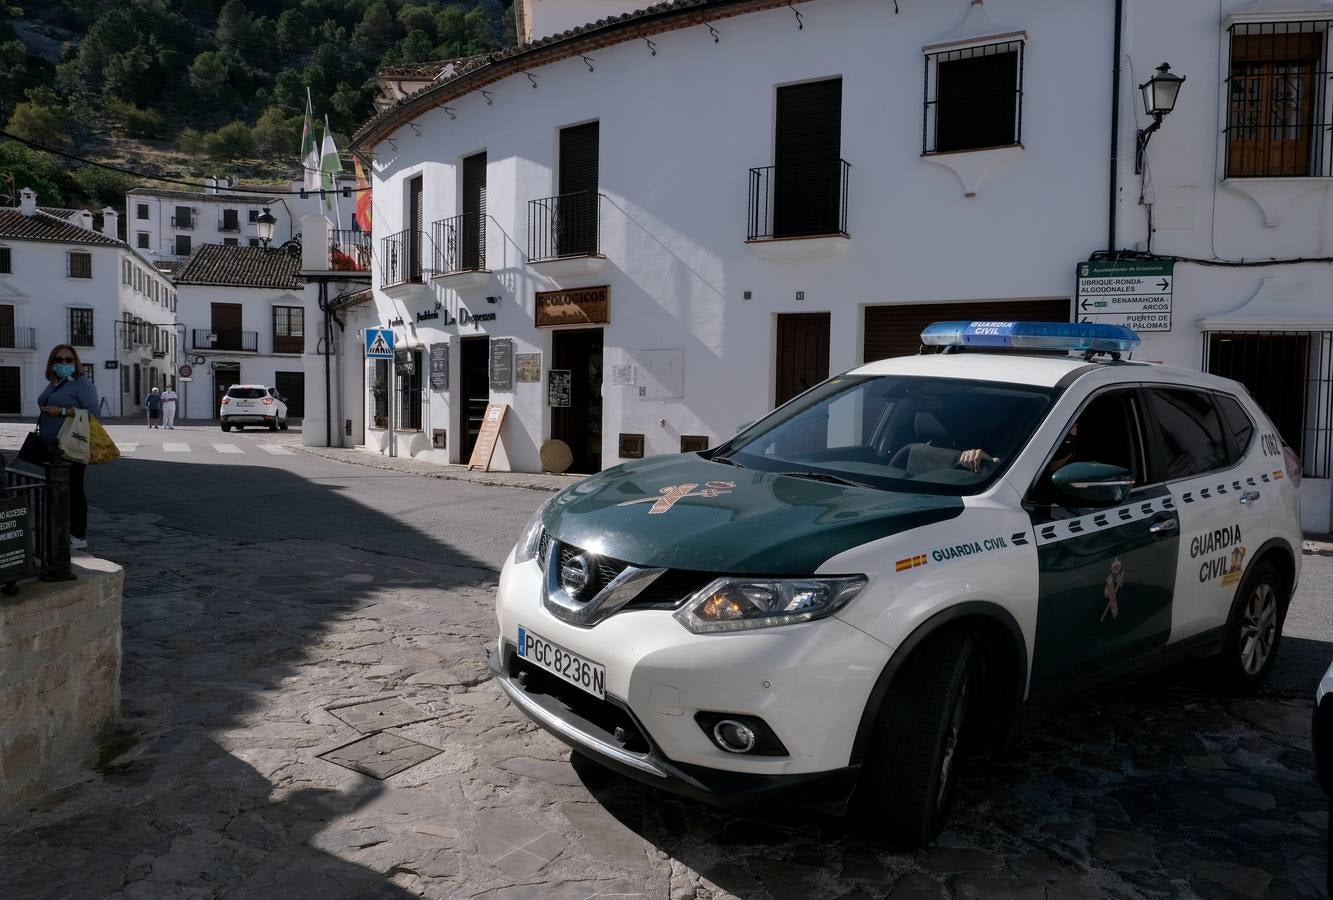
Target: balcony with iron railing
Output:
[
  {"x": 182, "y": 223},
  {"x": 18, "y": 338},
  {"x": 349, "y": 250},
  {"x": 568, "y": 226},
  {"x": 797, "y": 201},
  {"x": 234, "y": 341},
  {"x": 229, "y": 225},
  {"x": 401, "y": 258},
  {"x": 459, "y": 243}
]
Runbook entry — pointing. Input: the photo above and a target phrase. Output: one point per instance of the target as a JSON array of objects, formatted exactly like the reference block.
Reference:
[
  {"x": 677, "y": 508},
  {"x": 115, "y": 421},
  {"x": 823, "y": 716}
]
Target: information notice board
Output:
[
  {"x": 439, "y": 367},
  {"x": 489, "y": 437},
  {"x": 16, "y": 538}
]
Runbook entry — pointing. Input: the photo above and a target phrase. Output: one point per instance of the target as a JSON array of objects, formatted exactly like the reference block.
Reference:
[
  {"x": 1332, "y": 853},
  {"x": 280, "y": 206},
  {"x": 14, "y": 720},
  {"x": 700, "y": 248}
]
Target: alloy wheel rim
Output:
[
  {"x": 951, "y": 744},
  {"x": 1258, "y": 628}
]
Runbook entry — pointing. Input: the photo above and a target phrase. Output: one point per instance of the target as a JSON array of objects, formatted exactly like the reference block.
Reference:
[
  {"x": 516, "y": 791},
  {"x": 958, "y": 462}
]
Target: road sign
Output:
[
  {"x": 1134, "y": 293},
  {"x": 185, "y": 371},
  {"x": 379, "y": 343}
]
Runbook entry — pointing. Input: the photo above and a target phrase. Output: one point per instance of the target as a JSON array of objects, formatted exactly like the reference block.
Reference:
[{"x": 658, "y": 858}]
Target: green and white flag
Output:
[
  {"x": 329, "y": 167},
  {"x": 309, "y": 149}
]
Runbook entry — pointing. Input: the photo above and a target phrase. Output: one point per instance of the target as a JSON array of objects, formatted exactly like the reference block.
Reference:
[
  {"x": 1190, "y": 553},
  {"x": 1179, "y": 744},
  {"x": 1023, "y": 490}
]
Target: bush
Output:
[
  {"x": 138, "y": 123},
  {"x": 278, "y": 134},
  {"x": 191, "y": 141},
  {"x": 231, "y": 141},
  {"x": 40, "y": 123}
]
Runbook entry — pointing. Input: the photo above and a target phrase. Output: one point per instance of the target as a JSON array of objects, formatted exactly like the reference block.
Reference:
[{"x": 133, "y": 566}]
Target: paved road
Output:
[{"x": 267, "y": 590}]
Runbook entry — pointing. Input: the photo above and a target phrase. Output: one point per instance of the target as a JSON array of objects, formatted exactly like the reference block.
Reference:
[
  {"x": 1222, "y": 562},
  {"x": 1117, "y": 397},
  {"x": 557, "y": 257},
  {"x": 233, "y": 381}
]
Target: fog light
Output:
[{"x": 733, "y": 736}]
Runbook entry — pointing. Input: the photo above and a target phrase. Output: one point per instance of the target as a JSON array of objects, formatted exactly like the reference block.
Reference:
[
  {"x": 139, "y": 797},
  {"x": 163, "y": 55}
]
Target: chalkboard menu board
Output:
[
  {"x": 502, "y": 364},
  {"x": 439, "y": 367},
  {"x": 559, "y": 384}
]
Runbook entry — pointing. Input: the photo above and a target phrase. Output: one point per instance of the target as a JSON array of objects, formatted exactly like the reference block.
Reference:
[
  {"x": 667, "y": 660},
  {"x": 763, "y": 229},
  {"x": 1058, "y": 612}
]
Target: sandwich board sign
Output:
[{"x": 379, "y": 343}]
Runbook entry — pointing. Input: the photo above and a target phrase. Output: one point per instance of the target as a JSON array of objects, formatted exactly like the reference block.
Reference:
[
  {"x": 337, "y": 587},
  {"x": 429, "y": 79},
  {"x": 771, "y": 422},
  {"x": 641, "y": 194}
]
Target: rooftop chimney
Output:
[
  {"x": 84, "y": 219},
  {"x": 210, "y": 185},
  {"x": 111, "y": 223},
  {"x": 28, "y": 202}
]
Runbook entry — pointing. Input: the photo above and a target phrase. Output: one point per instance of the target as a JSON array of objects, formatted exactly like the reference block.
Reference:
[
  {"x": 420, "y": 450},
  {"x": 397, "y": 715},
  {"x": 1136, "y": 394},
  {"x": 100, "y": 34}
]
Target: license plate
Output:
[
  {"x": 580, "y": 672},
  {"x": 244, "y": 403}
]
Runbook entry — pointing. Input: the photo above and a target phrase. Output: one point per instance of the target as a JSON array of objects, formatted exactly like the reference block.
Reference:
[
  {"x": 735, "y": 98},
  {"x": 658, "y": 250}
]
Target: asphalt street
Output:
[{"x": 278, "y": 601}]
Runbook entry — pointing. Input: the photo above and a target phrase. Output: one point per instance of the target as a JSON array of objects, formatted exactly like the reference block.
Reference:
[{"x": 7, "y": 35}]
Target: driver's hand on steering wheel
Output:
[{"x": 972, "y": 460}]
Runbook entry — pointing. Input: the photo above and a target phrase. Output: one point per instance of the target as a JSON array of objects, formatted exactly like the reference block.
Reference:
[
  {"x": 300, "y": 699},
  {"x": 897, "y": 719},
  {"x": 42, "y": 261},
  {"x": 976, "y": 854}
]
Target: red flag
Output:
[{"x": 362, "y": 196}]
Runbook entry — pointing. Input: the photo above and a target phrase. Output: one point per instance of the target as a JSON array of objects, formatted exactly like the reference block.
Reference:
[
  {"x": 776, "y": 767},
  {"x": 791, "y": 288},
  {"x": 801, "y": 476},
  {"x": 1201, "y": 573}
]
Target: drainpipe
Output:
[
  {"x": 328, "y": 409},
  {"x": 1115, "y": 128}
]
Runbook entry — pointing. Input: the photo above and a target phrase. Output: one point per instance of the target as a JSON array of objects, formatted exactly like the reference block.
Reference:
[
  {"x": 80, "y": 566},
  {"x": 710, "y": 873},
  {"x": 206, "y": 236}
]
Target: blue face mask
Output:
[{"x": 63, "y": 370}]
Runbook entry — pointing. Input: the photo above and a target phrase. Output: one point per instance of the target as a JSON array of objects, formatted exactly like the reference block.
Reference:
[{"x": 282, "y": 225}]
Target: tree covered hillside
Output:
[{"x": 184, "y": 86}]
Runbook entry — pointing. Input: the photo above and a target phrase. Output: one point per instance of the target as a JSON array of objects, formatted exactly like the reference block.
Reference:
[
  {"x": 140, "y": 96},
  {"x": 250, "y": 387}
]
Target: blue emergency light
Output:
[{"x": 1087, "y": 337}]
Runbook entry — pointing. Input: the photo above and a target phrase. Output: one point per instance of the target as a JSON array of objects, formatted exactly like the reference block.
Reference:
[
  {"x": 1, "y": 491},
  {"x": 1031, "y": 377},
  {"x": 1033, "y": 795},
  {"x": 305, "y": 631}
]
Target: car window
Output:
[
  {"x": 246, "y": 393},
  {"x": 1105, "y": 431},
  {"x": 1190, "y": 432},
  {"x": 1240, "y": 426},
  {"x": 897, "y": 432}
]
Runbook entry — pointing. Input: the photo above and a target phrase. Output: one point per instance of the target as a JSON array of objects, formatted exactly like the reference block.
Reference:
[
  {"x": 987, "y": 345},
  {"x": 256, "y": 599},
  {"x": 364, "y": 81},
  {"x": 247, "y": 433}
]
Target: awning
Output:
[{"x": 1278, "y": 305}]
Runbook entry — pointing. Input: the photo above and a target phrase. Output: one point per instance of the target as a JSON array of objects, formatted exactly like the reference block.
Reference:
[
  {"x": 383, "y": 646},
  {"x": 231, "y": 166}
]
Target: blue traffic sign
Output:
[{"x": 379, "y": 343}]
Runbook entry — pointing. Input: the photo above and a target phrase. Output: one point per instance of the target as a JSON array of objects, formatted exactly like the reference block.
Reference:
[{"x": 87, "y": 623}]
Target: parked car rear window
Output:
[
  {"x": 1191, "y": 432},
  {"x": 241, "y": 393}
]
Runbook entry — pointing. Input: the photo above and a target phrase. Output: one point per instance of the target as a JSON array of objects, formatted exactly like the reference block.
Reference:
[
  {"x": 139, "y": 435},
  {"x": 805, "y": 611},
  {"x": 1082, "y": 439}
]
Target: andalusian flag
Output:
[
  {"x": 309, "y": 149},
  {"x": 329, "y": 167},
  {"x": 362, "y": 196}
]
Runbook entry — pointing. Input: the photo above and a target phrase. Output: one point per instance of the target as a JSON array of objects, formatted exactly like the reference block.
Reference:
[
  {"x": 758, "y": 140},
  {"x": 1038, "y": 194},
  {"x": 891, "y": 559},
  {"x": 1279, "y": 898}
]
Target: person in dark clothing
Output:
[
  {"x": 66, "y": 391},
  {"x": 154, "y": 403}
]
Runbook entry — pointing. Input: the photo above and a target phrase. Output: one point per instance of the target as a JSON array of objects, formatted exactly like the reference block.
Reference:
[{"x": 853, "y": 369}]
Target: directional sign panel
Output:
[
  {"x": 1134, "y": 293},
  {"x": 379, "y": 343}
]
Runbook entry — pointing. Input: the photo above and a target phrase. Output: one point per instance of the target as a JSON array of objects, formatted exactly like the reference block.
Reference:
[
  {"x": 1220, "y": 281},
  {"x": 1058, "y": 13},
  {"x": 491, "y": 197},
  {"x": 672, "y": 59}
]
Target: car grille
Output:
[{"x": 667, "y": 591}]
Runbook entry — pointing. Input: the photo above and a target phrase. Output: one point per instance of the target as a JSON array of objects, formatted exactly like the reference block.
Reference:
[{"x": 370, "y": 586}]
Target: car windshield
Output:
[
  {"x": 898, "y": 433},
  {"x": 246, "y": 393}
]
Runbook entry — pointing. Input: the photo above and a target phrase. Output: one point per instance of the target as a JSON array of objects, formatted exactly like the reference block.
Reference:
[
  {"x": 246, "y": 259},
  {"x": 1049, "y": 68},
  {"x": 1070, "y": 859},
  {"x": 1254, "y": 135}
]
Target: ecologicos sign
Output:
[
  {"x": 581, "y": 306},
  {"x": 1133, "y": 293}
]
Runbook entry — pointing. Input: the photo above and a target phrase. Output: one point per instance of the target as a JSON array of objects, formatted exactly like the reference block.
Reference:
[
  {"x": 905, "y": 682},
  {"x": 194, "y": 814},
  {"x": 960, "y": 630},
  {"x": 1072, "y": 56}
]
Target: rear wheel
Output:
[
  {"x": 226, "y": 427},
  {"x": 284, "y": 424},
  {"x": 1254, "y": 630},
  {"x": 273, "y": 426},
  {"x": 917, "y": 745}
]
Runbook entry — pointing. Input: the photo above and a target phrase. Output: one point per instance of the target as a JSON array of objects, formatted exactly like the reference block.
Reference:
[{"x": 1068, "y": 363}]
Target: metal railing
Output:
[
  {"x": 349, "y": 250},
  {"x": 233, "y": 225},
  {"x": 210, "y": 339},
  {"x": 18, "y": 338},
  {"x": 186, "y": 223},
  {"x": 46, "y": 521},
  {"x": 974, "y": 98},
  {"x": 460, "y": 243},
  {"x": 790, "y": 201},
  {"x": 565, "y": 225},
  {"x": 400, "y": 257}
]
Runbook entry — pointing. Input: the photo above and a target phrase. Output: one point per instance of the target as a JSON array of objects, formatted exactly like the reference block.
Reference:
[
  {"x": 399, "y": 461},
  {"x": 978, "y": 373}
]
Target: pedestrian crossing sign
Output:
[{"x": 379, "y": 343}]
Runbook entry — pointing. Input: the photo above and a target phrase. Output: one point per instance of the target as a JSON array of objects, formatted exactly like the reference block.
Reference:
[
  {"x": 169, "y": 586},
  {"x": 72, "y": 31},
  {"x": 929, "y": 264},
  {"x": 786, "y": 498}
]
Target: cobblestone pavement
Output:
[{"x": 234, "y": 655}]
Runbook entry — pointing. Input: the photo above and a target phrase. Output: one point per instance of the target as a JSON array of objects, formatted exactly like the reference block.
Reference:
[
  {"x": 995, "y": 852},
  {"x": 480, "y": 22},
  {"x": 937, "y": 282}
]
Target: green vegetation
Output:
[{"x": 222, "y": 81}]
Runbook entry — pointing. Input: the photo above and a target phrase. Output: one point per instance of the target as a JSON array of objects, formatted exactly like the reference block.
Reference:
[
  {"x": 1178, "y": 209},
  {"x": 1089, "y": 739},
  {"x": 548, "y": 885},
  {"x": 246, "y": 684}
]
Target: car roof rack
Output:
[{"x": 1089, "y": 338}]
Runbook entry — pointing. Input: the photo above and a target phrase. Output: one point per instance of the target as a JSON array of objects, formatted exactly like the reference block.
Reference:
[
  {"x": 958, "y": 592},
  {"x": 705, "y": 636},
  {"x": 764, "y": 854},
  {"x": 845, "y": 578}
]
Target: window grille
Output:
[
  {"x": 408, "y": 370},
  {"x": 6, "y": 263},
  {"x": 379, "y": 393},
  {"x": 1278, "y": 102},
  {"x": 141, "y": 210},
  {"x": 973, "y": 98},
  {"x": 288, "y": 329},
  {"x": 81, "y": 327},
  {"x": 79, "y": 265}
]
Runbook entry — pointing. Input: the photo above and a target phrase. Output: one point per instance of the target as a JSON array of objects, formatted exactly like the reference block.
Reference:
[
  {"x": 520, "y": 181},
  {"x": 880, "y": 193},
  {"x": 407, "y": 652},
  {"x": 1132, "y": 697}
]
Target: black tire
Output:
[
  {"x": 1254, "y": 630},
  {"x": 284, "y": 424},
  {"x": 226, "y": 427},
  {"x": 273, "y": 426},
  {"x": 912, "y": 763}
]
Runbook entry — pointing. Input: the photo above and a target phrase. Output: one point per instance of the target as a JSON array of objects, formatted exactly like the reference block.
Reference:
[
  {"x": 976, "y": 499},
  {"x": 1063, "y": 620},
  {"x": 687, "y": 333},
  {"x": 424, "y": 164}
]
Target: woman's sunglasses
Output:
[{"x": 62, "y": 359}]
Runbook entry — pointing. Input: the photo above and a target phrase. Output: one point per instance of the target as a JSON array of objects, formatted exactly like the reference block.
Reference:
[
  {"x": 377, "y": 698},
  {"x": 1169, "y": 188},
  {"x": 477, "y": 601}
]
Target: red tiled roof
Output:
[
  {"x": 41, "y": 226},
  {"x": 236, "y": 266}
]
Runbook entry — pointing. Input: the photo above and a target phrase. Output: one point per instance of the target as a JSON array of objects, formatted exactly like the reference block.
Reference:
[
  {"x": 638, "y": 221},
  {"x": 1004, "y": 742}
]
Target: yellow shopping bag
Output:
[{"x": 101, "y": 448}]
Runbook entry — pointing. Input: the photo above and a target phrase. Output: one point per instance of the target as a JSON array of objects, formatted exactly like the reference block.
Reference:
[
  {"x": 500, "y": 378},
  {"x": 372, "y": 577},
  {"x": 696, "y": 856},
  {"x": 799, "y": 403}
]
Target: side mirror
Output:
[{"x": 1093, "y": 484}]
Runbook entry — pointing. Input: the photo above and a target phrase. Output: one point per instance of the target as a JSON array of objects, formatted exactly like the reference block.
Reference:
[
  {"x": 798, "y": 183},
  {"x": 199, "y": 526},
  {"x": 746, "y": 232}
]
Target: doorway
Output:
[
  {"x": 580, "y": 424},
  {"x": 291, "y": 385},
  {"x": 226, "y": 326},
  {"x": 474, "y": 389},
  {"x": 807, "y": 175},
  {"x": 11, "y": 391},
  {"x": 802, "y": 358},
  {"x": 224, "y": 376}
]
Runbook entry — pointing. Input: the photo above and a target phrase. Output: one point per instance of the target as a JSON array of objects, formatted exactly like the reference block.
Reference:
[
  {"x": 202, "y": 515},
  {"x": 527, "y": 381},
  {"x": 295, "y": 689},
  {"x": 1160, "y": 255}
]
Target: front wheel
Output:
[
  {"x": 913, "y": 761},
  {"x": 1254, "y": 630}
]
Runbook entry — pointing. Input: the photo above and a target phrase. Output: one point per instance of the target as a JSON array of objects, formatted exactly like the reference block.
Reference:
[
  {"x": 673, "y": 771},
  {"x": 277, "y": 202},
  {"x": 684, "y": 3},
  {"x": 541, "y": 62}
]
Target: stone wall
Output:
[{"x": 59, "y": 677}]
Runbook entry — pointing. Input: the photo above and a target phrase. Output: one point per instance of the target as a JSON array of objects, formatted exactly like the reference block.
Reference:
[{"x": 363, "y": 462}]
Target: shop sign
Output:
[
  {"x": 502, "y": 364},
  {"x": 1133, "y": 293},
  {"x": 581, "y": 306},
  {"x": 528, "y": 367},
  {"x": 439, "y": 367},
  {"x": 404, "y": 362},
  {"x": 559, "y": 387}
]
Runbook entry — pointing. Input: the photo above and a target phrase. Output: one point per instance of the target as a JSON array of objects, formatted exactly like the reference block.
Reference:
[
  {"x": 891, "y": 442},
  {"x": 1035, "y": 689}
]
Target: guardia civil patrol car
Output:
[{"x": 899, "y": 564}]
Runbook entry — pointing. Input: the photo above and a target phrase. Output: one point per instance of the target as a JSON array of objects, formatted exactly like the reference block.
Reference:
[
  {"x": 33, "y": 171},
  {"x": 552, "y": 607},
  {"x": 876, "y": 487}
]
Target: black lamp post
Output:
[
  {"x": 264, "y": 223},
  {"x": 1159, "y": 98}
]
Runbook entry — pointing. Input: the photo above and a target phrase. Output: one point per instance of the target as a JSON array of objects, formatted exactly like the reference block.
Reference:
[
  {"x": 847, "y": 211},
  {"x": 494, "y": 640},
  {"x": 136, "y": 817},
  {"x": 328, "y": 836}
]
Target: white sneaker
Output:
[{"x": 77, "y": 543}]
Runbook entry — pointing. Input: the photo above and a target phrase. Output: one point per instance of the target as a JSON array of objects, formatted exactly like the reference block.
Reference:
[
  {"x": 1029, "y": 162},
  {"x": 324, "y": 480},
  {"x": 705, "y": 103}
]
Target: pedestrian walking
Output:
[
  {"x": 154, "y": 403},
  {"x": 169, "y": 409},
  {"x": 67, "y": 390}
]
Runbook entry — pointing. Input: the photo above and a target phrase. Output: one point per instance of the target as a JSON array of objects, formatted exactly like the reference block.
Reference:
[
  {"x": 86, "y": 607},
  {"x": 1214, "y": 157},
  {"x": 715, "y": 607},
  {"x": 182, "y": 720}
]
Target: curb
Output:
[
  {"x": 489, "y": 479},
  {"x": 1317, "y": 548}
]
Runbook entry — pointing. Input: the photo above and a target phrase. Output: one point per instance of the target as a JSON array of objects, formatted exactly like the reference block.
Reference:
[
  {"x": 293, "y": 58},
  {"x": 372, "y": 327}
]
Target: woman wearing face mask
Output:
[{"x": 66, "y": 391}]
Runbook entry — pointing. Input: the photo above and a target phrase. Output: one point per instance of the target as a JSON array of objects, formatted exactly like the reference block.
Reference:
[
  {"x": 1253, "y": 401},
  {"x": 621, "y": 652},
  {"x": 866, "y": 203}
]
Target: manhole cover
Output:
[
  {"x": 138, "y": 588},
  {"x": 377, "y": 715},
  {"x": 380, "y": 755}
]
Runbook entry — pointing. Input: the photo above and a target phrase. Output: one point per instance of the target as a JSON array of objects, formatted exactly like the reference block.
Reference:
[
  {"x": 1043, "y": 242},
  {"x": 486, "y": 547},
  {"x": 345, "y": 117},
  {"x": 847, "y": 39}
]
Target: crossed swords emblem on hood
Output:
[{"x": 674, "y": 493}]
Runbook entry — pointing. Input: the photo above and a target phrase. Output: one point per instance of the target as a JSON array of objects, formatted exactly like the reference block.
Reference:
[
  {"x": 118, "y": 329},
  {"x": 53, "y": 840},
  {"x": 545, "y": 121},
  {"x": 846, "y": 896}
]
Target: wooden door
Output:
[
  {"x": 226, "y": 324},
  {"x": 1271, "y": 107},
  {"x": 577, "y": 207},
  {"x": 415, "y": 215},
  {"x": 7, "y": 333},
  {"x": 223, "y": 378},
  {"x": 806, "y": 151},
  {"x": 474, "y": 213},
  {"x": 802, "y": 357},
  {"x": 474, "y": 389},
  {"x": 580, "y": 424},
  {"x": 291, "y": 385}
]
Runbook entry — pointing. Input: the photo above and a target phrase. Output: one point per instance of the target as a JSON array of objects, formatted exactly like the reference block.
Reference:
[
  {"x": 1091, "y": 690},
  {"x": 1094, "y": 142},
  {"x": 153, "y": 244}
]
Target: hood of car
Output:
[{"x": 687, "y": 512}]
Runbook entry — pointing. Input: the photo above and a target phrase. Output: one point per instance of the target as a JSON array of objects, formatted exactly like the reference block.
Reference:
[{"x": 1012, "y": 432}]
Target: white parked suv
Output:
[
  {"x": 253, "y": 404},
  {"x": 897, "y": 566}
]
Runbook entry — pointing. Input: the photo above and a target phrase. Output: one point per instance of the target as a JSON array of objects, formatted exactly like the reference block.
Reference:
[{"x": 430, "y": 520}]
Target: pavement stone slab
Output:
[{"x": 380, "y": 755}]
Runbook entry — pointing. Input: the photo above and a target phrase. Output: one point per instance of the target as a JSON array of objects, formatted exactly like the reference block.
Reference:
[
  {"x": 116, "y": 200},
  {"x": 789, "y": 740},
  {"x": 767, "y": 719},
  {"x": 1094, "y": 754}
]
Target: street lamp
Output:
[
  {"x": 264, "y": 223},
  {"x": 1159, "y": 98}
]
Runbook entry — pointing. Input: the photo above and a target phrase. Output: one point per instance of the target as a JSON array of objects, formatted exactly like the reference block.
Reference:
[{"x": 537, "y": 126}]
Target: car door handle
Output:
[
  {"x": 1248, "y": 497},
  {"x": 1164, "y": 526}
]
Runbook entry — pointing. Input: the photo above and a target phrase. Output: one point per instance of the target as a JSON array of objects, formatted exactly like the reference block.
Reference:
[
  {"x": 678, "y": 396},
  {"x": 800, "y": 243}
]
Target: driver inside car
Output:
[{"x": 973, "y": 460}]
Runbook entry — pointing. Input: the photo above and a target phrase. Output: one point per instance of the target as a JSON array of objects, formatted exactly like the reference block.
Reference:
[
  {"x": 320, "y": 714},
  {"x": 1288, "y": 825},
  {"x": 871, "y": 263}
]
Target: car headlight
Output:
[
  {"x": 531, "y": 538},
  {"x": 737, "y": 604}
]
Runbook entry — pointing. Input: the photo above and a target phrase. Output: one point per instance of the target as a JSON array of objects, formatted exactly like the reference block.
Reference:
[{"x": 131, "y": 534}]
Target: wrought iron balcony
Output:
[
  {"x": 18, "y": 338},
  {"x": 349, "y": 250},
  {"x": 400, "y": 257},
  {"x": 184, "y": 223},
  {"x": 233, "y": 225},
  {"x": 460, "y": 243},
  {"x": 564, "y": 226},
  {"x": 236, "y": 341},
  {"x": 794, "y": 201}
]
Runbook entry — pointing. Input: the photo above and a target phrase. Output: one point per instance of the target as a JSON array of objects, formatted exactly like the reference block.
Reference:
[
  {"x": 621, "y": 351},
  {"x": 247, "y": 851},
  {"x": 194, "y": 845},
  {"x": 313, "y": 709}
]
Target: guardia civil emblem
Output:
[{"x": 674, "y": 493}]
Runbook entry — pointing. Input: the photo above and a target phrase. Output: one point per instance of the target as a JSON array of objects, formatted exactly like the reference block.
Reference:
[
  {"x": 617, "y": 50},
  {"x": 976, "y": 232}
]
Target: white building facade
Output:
[
  {"x": 64, "y": 281},
  {"x": 642, "y": 233}
]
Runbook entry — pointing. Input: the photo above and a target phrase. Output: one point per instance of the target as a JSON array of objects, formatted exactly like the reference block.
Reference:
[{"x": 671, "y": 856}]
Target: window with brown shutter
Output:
[
  {"x": 1276, "y": 95},
  {"x": 974, "y": 98}
]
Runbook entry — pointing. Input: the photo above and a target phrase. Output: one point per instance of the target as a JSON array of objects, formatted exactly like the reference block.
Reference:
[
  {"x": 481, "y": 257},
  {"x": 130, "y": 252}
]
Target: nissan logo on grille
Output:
[{"x": 575, "y": 574}]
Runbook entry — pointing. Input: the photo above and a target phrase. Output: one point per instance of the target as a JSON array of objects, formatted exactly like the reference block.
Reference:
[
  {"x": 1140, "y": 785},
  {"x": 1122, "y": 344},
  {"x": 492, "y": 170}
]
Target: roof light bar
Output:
[{"x": 1085, "y": 337}]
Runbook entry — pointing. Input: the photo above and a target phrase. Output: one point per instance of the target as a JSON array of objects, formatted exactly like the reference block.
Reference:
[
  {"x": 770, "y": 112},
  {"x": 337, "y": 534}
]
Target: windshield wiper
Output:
[
  {"x": 727, "y": 460},
  {"x": 825, "y": 476}
]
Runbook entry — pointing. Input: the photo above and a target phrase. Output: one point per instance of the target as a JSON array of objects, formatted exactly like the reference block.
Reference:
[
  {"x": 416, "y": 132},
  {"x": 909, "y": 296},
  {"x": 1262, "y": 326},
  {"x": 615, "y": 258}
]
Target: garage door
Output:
[{"x": 896, "y": 330}]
